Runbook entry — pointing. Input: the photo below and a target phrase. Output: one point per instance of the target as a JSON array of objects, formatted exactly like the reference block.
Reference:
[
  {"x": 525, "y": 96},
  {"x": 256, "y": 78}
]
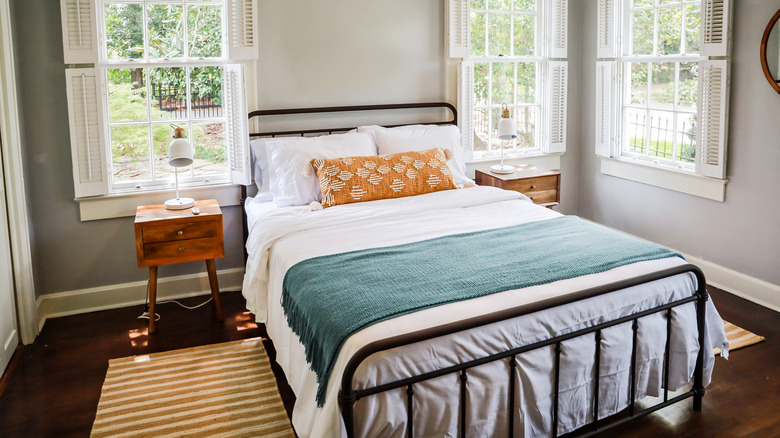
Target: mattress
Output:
[{"x": 281, "y": 237}]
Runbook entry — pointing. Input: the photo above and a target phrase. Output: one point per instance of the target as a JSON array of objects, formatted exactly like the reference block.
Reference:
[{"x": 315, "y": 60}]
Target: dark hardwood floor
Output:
[{"x": 55, "y": 387}]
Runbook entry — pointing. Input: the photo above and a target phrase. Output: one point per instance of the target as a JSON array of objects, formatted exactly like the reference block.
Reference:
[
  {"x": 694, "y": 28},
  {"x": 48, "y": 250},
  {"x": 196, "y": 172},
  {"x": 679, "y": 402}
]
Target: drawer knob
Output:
[
  {"x": 181, "y": 248},
  {"x": 180, "y": 232},
  {"x": 533, "y": 187},
  {"x": 531, "y": 198}
]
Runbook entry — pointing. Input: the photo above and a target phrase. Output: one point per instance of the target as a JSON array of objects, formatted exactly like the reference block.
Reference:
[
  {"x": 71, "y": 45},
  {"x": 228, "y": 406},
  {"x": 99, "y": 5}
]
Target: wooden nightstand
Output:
[
  {"x": 165, "y": 237},
  {"x": 541, "y": 185}
]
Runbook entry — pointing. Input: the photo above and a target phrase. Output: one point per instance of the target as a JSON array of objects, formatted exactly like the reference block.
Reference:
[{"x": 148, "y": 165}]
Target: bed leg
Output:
[
  {"x": 698, "y": 375},
  {"x": 347, "y": 403}
]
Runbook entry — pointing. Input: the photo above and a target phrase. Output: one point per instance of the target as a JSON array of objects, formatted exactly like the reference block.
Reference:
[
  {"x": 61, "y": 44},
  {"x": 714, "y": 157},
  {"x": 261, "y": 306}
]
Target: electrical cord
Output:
[{"x": 145, "y": 314}]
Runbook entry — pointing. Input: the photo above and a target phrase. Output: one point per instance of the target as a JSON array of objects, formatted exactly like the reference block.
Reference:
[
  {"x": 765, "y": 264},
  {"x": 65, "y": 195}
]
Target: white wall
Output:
[{"x": 742, "y": 233}]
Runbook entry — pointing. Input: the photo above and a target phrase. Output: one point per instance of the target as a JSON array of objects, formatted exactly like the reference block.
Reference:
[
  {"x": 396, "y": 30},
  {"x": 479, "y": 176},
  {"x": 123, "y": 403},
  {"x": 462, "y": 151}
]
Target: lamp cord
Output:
[{"x": 145, "y": 314}]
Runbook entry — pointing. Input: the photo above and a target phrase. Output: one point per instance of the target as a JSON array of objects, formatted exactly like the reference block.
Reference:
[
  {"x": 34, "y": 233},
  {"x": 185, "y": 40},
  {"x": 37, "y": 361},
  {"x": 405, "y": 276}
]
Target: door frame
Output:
[{"x": 13, "y": 168}]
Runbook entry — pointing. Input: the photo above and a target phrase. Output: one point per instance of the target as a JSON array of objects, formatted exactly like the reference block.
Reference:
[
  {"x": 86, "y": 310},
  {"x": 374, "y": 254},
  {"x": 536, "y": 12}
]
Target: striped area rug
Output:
[
  {"x": 739, "y": 337},
  {"x": 221, "y": 390}
]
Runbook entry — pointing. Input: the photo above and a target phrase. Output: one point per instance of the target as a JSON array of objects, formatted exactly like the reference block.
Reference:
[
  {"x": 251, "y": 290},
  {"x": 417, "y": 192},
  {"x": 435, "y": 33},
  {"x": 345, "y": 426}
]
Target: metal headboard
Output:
[{"x": 256, "y": 115}]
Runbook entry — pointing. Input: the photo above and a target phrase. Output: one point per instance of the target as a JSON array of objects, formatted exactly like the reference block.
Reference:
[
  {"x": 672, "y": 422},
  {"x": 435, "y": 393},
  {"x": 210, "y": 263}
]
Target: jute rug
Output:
[
  {"x": 739, "y": 337},
  {"x": 222, "y": 390}
]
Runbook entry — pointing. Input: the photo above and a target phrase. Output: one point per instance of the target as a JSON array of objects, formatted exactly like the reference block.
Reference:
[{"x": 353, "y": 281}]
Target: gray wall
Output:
[{"x": 742, "y": 233}]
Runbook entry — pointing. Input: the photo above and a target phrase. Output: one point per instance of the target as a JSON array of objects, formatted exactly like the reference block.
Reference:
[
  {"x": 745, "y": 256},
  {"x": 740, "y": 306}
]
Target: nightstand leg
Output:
[
  {"x": 211, "y": 267},
  {"x": 152, "y": 296}
]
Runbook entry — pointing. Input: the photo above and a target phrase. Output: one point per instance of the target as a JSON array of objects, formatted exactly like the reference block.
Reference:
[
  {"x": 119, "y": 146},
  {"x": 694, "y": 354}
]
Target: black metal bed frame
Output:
[{"x": 348, "y": 395}]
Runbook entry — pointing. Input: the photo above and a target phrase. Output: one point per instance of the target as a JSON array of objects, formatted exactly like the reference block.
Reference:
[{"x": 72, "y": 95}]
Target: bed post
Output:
[
  {"x": 701, "y": 306},
  {"x": 347, "y": 399}
]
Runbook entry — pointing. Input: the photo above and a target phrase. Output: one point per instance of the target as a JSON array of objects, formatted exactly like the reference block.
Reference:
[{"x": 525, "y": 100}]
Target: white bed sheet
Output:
[{"x": 283, "y": 237}]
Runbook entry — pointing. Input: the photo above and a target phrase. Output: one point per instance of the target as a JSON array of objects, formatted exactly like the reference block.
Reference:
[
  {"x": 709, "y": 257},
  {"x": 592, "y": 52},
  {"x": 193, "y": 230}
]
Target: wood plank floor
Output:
[{"x": 55, "y": 388}]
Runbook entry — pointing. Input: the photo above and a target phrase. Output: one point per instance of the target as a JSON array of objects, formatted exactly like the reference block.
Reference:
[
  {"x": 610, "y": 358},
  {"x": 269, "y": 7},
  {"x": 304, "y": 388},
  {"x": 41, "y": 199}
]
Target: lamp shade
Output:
[
  {"x": 506, "y": 127},
  {"x": 180, "y": 153}
]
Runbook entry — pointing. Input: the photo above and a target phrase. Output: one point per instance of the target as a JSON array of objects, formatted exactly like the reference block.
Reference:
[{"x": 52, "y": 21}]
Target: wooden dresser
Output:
[
  {"x": 541, "y": 185},
  {"x": 164, "y": 237}
]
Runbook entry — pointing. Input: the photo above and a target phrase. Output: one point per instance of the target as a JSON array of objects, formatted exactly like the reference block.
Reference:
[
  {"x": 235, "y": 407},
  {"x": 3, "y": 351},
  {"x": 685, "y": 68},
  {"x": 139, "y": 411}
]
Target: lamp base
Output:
[
  {"x": 502, "y": 168},
  {"x": 179, "y": 203}
]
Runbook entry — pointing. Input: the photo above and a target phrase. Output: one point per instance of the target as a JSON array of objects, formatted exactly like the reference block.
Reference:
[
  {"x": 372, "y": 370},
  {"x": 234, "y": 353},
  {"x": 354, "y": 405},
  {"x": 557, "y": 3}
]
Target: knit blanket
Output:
[{"x": 326, "y": 299}]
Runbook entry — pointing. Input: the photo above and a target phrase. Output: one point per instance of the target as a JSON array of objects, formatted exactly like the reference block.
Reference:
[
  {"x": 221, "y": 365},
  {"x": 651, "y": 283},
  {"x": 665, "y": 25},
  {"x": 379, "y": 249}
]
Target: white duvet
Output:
[{"x": 280, "y": 238}]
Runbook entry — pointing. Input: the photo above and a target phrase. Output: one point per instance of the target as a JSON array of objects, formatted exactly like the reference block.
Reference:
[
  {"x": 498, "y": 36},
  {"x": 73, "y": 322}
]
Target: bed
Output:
[{"x": 578, "y": 353}]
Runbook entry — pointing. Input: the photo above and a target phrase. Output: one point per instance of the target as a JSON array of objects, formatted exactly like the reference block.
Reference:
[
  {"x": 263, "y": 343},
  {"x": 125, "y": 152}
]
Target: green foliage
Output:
[{"x": 688, "y": 93}]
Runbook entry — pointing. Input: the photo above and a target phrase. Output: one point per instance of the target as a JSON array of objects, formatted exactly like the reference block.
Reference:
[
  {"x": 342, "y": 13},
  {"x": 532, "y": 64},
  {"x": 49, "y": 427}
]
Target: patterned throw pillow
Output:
[{"x": 358, "y": 179}]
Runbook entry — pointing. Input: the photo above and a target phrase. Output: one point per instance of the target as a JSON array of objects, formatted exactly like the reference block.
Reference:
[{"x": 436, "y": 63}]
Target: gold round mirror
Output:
[{"x": 770, "y": 52}]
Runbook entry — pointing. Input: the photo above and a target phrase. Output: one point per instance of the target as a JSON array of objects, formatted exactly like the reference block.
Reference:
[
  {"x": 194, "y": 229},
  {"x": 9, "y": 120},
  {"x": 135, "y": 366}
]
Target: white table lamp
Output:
[
  {"x": 179, "y": 155},
  {"x": 506, "y": 131}
]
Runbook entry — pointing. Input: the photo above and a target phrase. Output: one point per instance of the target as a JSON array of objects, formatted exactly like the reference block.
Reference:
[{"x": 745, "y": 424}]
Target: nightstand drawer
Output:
[
  {"x": 537, "y": 184},
  {"x": 191, "y": 230},
  {"x": 183, "y": 250},
  {"x": 543, "y": 197}
]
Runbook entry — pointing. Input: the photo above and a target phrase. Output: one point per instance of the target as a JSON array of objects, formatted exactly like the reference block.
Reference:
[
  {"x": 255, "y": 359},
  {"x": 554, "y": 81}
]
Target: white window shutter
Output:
[
  {"x": 237, "y": 126},
  {"x": 458, "y": 18},
  {"x": 559, "y": 12},
  {"x": 713, "y": 119},
  {"x": 79, "y": 39},
  {"x": 242, "y": 29},
  {"x": 85, "y": 113},
  {"x": 715, "y": 23},
  {"x": 557, "y": 83},
  {"x": 466, "y": 108},
  {"x": 607, "y": 29},
  {"x": 605, "y": 107}
]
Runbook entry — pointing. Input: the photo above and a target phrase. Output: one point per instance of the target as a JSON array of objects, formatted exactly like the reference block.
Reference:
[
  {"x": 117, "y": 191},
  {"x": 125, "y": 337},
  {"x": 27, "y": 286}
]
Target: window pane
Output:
[
  {"x": 641, "y": 3},
  {"x": 166, "y": 31},
  {"x": 477, "y": 4},
  {"x": 639, "y": 83},
  {"x": 642, "y": 32},
  {"x": 661, "y": 134},
  {"x": 662, "y": 85},
  {"x": 525, "y": 118},
  {"x": 124, "y": 31},
  {"x": 162, "y": 135},
  {"x": 669, "y": 30},
  {"x": 636, "y": 130},
  {"x": 503, "y": 5},
  {"x": 481, "y": 84},
  {"x": 503, "y": 79},
  {"x": 686, "y": 138},
  {"x": 499, "y": 38},
  {"x": 169, "y": 93},
  {"x": 204, "y": 28},
  {"x": 495, "y": 142},
  {"x": 688, "y": 88},
  {"x": 525, "y": 5},
  {"x": 127, "y": 95},
  {"x": 130, "y": 153},
  {"x": 208, "y": 143},
  {"x": 524, "y": 34},
  {"x": 206, "y": 92},
  {"x": 526, "y": 82},
  {"x": 692, "y": 28},
  {"x": 481, "y": 130},
  {"x": 478, "y": 34}
]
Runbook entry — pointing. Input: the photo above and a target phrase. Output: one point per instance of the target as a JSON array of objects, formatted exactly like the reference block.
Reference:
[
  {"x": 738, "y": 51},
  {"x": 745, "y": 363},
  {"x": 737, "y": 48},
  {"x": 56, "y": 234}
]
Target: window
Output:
[
  {"x": 156, "y": 64},
  {"x": 662, "y": 84},
  {"x": 512, "y": 54}
]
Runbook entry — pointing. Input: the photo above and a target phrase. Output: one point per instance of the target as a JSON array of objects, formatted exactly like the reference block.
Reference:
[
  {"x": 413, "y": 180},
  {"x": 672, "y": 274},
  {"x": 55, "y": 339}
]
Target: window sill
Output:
[
  {"x": 547, "y": 161},
  {"x": 679, "y": 181},
  {"x": 124, "y": 205}
]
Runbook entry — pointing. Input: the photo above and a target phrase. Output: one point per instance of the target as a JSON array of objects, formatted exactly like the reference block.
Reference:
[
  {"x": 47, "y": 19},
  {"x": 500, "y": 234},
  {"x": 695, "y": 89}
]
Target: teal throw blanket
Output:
[{"x": 326, "y": 299}]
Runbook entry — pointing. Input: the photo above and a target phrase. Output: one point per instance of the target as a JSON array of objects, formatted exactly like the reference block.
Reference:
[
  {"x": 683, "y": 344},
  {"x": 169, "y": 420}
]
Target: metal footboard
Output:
[{"x": 348, "y": 395}]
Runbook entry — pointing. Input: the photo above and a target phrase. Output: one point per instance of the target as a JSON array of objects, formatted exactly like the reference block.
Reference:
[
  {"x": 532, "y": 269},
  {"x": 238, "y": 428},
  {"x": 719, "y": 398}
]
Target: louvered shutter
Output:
[
  {"x": 466, "y": 108},
  {"x": 558, "y": 26},
  {"x": 715, "y": 23},
  {"x": 242, "y": 29},
  {"x": 605, "y": 106},
  {"x": 85, "y": 111},
  {"x": 557, "y": 82},
  {"x": 78, "y": 31},
  {"x": 237, "y": 125},
  {"x": 713, "y": 119},
  {"x": 607, "y": 29},
  {"x": 458, "y": 28}
]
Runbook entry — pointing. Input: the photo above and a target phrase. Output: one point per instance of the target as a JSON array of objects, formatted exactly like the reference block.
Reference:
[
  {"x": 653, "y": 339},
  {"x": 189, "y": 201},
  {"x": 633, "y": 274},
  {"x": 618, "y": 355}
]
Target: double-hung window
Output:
[
  {"x": 513, "y": 54},
  {"x": 662, "y": 83},
  {"x": 157, "y": 64}
]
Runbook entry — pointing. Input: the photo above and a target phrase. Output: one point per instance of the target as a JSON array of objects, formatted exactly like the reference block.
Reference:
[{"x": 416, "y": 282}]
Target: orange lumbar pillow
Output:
[{"x": 358, "y": 179}]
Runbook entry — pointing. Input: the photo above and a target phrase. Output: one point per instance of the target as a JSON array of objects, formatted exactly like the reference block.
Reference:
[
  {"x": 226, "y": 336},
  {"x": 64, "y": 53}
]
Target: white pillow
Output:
[
  {"x": 262, "y": 172},
  {"x": 287, "y": 157},
  {"x": 422, "y": 137}
]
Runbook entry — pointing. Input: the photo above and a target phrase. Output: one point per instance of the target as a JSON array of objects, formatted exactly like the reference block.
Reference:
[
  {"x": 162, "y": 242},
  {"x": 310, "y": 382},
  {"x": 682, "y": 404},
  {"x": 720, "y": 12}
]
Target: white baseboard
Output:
[
  {"x": 750, "y": 288},
  {"x": 128, "y": 294}
]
